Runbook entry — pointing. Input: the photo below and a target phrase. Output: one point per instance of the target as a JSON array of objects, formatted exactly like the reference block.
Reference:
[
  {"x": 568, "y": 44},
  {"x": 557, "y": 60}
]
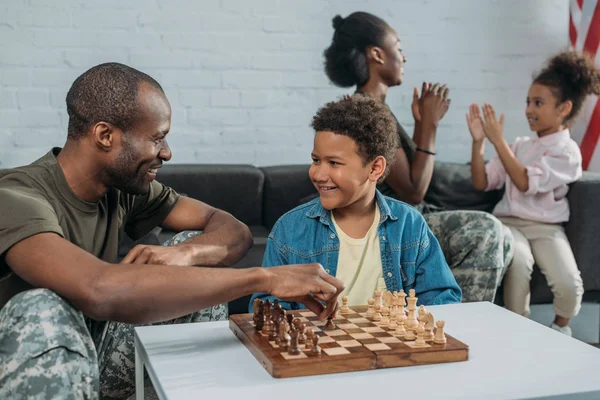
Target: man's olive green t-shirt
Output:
[{"x": 37, "y": 198}]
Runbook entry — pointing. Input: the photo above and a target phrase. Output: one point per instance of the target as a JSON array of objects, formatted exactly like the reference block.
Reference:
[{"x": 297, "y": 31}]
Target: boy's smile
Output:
[{"x": 339, "y": 172}]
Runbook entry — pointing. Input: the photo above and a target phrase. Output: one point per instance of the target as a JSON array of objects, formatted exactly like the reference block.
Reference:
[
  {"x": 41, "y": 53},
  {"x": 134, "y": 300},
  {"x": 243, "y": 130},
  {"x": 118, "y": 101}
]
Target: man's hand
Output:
[
  {"x": 475, "y": 123},
  {"x": 434, "y": 103},
  {"x": 493, "y": 126},
  {"x": 308, "y": 284},
  {"x": 160, "y": 255}
]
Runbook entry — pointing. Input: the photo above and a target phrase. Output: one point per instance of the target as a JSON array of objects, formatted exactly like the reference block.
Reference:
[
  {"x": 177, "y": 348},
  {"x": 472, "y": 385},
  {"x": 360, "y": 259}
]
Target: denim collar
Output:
[{"x": 317, "y": 210}]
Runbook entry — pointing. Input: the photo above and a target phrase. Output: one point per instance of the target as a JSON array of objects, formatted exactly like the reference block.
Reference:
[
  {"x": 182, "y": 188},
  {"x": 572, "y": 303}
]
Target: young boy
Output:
[{"x": 366, "y": 240}]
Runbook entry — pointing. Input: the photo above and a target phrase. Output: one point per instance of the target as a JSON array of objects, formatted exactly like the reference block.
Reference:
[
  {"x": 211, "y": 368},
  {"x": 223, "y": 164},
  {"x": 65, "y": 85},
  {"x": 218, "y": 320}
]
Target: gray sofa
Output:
[{"x": 259, "y": 196}]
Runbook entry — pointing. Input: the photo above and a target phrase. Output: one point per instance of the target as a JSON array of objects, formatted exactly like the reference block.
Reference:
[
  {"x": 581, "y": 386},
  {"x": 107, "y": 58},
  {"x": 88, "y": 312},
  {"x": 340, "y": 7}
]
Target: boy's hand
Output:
[
  {"x": 475, "y": 123},
  {"x": 492, "y": 126},
  {"x": 308, "y": 284},
  {"x": 434, "y": 103}
]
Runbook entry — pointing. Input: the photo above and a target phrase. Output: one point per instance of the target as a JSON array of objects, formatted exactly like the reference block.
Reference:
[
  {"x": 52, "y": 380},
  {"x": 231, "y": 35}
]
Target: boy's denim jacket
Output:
[{"x": 411, "y": 256}]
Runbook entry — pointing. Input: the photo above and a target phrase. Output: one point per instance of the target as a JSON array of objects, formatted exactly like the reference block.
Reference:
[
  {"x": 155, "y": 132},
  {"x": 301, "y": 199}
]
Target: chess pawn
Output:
[
  {"x": 344, "y": 309},
  {"x": 268, "y": 325},
  {"x": 316, "y": 349},
  {"x": 309, "y": 339},
  {"x": 393, "y": 319},
  {"x": 385, "y": 319},
  {"x": 296, "y": 322},
  {"x": 275, "y": 331},
  {"x": 377, "y": 315},
  {"x": 421, "y": 335},
  {"x": 301, "y": 333},
  {"x": 293, "y": 349},
  {"x": 371, "y": 309},
  {"x": 330, "y": 326},
  {"x": 400, "y": 330},
  {"x": 409, "y": 335},
  {"x": 439, "y": 337},
  {"x": 290, "y": 318}
]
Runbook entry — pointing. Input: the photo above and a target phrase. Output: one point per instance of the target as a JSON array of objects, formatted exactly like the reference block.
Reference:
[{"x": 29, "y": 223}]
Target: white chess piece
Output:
[
  {"x": 439, "y": 337},
  {"x": 385, "y": 319},
  {"x": 345, "y": 309},
  {"x": 377, "y": 315},
  {"x": 371, "y": 309}
]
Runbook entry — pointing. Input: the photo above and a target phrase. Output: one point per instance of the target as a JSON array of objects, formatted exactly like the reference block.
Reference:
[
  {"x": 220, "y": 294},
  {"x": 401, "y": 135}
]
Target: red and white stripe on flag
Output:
[{"x": 584, "y": 35}]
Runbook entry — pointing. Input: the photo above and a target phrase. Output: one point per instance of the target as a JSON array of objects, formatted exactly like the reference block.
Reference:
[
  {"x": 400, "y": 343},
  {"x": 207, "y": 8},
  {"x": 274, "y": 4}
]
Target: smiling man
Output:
[{"x": 64, "y": 217}]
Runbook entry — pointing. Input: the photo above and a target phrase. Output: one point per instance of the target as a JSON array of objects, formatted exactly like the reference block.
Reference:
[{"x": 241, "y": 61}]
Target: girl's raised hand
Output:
[
  {"x": 475, "y": 123},
  {"x": 492, "y": 126}
]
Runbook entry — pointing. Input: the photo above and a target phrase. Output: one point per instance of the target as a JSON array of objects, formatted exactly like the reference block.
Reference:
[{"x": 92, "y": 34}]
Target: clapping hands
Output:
[{"x": 485, "y": 126}]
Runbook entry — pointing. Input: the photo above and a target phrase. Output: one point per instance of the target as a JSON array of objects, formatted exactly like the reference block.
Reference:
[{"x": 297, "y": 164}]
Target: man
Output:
[{"x": 65, "y": 215}]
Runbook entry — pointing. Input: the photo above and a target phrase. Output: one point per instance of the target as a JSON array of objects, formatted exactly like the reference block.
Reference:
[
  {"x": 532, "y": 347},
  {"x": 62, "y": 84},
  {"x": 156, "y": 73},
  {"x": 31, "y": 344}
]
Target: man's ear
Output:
[
  {"x": 104, "y": 135},
  {"x": 377, "y": 168},
  {"x": 565, "y": 108},
  {"x": 375, "y": 54}
]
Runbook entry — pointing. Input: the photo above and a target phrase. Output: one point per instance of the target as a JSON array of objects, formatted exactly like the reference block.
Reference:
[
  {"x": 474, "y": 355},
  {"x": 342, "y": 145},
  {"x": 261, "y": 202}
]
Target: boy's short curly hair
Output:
[{"x": 366, "y": 121}]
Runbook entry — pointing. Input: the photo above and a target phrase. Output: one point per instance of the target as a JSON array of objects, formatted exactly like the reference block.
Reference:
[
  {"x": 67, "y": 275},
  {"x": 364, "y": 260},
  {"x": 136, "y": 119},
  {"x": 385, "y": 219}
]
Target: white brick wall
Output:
[{"x": 244, "y": 77}]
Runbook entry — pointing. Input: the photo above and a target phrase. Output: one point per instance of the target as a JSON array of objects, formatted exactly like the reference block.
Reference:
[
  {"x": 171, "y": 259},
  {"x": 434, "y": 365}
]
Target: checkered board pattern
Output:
[{"x": 357, "y": 343}]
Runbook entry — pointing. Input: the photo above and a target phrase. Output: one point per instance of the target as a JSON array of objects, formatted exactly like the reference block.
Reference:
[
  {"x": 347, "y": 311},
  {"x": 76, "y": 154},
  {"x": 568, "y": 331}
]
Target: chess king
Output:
[{"x": 367, "y": 240}]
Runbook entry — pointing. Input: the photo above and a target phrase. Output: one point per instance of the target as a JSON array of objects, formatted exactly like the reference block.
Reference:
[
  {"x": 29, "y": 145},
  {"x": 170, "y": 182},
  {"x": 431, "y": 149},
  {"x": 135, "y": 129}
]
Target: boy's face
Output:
[{"x": 338, "y": 171}]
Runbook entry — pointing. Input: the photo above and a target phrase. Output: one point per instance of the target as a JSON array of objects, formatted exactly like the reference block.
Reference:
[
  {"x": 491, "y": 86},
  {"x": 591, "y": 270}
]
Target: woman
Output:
[{"x": 366, "y": 53}]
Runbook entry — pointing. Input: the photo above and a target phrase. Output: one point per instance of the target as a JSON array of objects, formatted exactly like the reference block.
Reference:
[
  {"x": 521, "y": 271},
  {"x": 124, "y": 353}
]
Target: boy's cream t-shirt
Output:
[{"x": 359, "y": 264}]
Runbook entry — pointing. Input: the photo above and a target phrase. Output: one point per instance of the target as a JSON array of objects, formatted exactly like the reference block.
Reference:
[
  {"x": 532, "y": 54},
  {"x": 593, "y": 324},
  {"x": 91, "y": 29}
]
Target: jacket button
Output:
[
  {"x": 332, "y": 236},
  {"x": 327, "y": 270},
  {"x": 383, "y": 238},
  {"x": 389, "y": 274}
]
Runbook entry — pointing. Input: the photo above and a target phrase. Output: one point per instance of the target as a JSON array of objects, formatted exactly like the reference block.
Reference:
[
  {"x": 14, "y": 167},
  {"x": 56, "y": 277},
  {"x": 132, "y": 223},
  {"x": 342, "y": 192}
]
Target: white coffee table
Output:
[{"x": 510, "y": 357}]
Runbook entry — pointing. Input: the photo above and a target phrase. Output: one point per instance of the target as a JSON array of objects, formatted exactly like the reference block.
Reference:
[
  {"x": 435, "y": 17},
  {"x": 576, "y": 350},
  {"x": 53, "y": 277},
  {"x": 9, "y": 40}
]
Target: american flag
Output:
[{"x": 584, "y": 34}]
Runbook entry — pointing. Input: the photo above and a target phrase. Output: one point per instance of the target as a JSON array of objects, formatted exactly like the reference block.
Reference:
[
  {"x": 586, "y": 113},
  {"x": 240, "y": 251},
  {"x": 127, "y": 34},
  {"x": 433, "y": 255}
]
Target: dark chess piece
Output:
[
  {"x": 316, "y": 349},
  {"x": 301, "y": 334},
  {"x": 260, "y": 317},
  {"x": 329, "y": 326},
  {"x": 293, "y": 348},
  {"x": 290, "y": 318}
]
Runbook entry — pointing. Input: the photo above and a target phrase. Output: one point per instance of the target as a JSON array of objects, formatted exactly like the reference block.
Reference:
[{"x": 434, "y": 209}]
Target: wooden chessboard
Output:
[{"x": 357, "y": 344}]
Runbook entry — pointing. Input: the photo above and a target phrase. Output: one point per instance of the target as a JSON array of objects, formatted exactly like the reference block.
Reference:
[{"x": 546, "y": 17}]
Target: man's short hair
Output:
[
  {"x": 366, "y": 121},
  {"x": 107, "y": 92}
]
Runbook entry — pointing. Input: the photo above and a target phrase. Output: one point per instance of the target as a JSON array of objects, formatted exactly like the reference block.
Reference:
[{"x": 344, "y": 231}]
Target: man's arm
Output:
[
  {"x": 149, "y": 293},
  {"x": 223, "y": 242}
]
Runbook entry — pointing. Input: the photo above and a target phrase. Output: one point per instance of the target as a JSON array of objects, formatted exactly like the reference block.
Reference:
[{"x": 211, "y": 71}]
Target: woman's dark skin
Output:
[{"x": 386, "y": 68}]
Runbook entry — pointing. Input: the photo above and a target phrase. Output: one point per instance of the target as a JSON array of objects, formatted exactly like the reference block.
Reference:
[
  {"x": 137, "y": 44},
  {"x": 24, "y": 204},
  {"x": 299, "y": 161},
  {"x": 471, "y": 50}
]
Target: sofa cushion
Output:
[
  {"x": 451, "y": 189},
  {"x": 285, "y": 187},
  {"x": 237, "y": 189}
]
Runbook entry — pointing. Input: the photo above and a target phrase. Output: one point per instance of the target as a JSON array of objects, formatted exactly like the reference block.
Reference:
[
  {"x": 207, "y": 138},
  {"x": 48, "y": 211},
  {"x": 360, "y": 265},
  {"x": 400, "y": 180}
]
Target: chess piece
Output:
[
  {"x": 411, "y": 321},
  {"x": 316, "y": 349},
  {"x": 402, "y": 297},
  {"x": 385, "y": 316},
  {"x": 284, "y": 337},
  {"x": 393, "y": 319},
  {"x": 268, "y": 325},
  {"x": 371, "y": 309},
  {"x": 428, "y": 327},
  {"x": 377, "y": 315},
  {"x": 260, "y": 317},
  {"x": 330, "y": 326},
  {"x": 422, "y": 312},
  {"x": 439, "y": 337},
  {"x": 421, "y": 335},
  {"x": 290, "y": 318},
  {"x": 377, "y": 296},
  {"x": 293, "y": 349},
  {"x": 400, "y": 330},
  {"x": 301, "y": 333},
  {"x": 409, "y": 335},
  {"x": 412, "y": 293},
  {"x": 309, "y": 339},
  {"x": 345, "y": 309},
  {"x": 387, "y": 298},
  {"x": 296, "y": 322}
]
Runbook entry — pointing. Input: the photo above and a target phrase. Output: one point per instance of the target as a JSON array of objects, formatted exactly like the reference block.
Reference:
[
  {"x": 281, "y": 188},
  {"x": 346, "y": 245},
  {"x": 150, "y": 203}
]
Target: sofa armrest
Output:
[{"x": 582, "y": 228}]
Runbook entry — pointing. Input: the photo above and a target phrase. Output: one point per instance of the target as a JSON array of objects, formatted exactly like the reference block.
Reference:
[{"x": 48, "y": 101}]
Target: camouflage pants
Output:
[
  {"x": 477, "y": 247},
  {"x": 49, "y": 350}
]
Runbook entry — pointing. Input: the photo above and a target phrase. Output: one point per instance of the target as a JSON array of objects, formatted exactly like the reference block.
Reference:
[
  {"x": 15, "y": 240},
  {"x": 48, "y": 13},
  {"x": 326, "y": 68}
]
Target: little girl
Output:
[{"x": 535, "y": 172}]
